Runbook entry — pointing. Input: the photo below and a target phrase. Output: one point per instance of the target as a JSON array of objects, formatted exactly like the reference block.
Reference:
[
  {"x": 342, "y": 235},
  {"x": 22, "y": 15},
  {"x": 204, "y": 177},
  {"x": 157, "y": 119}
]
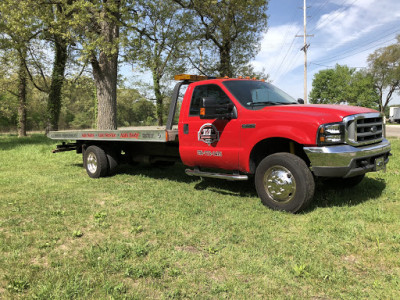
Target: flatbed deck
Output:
[{"x": 129, "y": 134}]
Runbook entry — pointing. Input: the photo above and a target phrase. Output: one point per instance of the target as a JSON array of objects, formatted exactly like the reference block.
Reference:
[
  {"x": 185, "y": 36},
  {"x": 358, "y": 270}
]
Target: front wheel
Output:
[{"x": 284, "y": 182}]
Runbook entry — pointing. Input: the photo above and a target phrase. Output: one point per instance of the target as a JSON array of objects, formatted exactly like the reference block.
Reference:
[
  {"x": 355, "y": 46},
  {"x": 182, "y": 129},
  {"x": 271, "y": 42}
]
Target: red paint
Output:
[{"x": 295, "y": 122}]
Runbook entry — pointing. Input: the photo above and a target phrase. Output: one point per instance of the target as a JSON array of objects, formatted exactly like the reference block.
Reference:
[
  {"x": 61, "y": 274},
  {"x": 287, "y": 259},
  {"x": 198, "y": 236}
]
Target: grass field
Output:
[{"x": 158, "y": 234}]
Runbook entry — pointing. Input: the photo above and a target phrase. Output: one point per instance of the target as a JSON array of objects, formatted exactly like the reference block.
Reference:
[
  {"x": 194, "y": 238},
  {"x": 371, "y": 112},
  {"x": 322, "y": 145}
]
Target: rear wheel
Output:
[
  {"x": 95, "y": 162},
  {"x": 284, "y": 182}
]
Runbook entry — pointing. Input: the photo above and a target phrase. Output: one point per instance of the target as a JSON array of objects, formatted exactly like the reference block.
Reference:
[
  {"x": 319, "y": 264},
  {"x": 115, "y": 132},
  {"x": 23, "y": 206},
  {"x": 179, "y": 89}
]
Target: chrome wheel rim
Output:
[
  {"x": 279, "y": 183},
  {"x": 91, "y": 163}
]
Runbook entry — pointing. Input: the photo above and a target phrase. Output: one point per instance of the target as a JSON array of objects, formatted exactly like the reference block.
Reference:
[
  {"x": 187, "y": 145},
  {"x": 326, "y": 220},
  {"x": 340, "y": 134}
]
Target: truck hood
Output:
[{"x": 322, "y": 113}]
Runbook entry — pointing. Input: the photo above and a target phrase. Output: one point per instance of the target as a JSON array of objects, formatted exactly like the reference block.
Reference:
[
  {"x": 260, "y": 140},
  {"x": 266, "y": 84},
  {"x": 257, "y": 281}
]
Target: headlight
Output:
[{"x": 329, "y": 134}]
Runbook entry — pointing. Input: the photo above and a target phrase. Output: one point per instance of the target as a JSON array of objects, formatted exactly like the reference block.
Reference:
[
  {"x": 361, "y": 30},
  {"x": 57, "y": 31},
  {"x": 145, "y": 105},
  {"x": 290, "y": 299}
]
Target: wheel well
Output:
[
  {"x": 114, "y": 148},
  {"x": 273, "y": 145}
]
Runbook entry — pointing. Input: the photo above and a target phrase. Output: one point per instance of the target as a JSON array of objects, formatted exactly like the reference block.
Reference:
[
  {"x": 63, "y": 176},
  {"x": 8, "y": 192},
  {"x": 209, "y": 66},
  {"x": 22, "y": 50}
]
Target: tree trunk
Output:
[
  {"x": 225, "y": 68},
  {"x": 57, "y": 80},
  {"x": 105, "y": 77},
  {"x": 380, "y": 93},
  {"x": 22, "y": 78},
  {"x": 159, "y": 98},
  {"x": 105, "y": 71},
  {"x": 388, "y": 97}
]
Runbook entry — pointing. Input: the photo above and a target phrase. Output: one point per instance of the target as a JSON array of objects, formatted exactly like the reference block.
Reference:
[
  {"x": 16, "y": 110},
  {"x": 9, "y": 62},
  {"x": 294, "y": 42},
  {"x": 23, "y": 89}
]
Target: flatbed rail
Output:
[{"x": 136, "y": 134}]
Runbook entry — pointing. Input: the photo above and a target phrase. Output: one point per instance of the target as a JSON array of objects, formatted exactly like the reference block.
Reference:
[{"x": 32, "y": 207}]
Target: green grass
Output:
[{"x": 156, "y": 233}]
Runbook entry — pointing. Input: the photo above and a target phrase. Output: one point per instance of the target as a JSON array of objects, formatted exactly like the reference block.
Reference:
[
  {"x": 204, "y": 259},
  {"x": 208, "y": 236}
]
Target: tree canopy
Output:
[
  {"x": 159, "y": 49},
  {"x": 42, "y": 39},
  {"x": 384, "y": 67},
  {"x": 231, "y": 28},
  {"x": 343, "y": 85}
]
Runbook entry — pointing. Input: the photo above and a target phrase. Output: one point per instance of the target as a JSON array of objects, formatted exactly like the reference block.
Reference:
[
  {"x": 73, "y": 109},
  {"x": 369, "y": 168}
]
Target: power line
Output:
[
  {"x": 290, "y": 63},
  {"x": 284, "y": 41},
  {"x": 287, "y": 52},
  {"x": 340, "y": 55},
  {"x": 313, "y": 63},
  {"x": 330, "y": 18},
  {"x": 316, "y": 11}
]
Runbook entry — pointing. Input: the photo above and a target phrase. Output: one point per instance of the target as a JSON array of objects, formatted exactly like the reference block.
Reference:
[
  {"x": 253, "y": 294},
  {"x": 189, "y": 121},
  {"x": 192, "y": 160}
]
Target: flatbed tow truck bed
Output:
[{"x": 129, "y": 134}]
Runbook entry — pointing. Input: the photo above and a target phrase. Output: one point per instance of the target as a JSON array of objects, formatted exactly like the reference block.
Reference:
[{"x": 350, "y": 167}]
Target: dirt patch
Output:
[
  {"x": 2, "y": 289},
  {"x": 72, "y": 246},
  {"x": 351, "y": 259},
  {"x": 219, "y": 275},
  {"x": 40, "y": 261},
  {"x": 189, "y": 249}
]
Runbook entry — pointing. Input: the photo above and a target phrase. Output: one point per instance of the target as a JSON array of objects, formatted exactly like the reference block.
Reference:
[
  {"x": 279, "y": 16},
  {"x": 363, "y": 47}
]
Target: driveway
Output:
[{"x": 393, "y": 131}]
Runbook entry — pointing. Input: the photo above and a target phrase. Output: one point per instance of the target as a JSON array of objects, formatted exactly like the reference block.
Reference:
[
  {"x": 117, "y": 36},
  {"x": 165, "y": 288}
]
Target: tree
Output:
[
  {"x": 55, "y": 20},
  {"x": 361, "y": 91},
  {"x": 8, "y": 111},
  {"x": 134, "y": 110},
  {"x": 41, "y": 23},
  {"x": 79, "y": 103},
  {"x": 17, "y": 28},
  {"x": 160, "y": 46},
  {"x": 384, "y": 67},
  {"x": 343, "y": 85},
  {"x": 233, "y": 28},
  {"x": 96, "y": 24}
]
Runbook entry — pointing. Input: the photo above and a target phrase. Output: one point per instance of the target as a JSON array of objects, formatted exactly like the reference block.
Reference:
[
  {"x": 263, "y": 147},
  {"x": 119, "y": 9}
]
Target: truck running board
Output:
[{"x": 232, "y": 177}]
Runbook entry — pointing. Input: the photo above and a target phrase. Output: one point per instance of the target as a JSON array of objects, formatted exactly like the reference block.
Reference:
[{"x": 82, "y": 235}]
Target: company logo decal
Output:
[
  {"x": 208, "y": 134},
  {"x": 374, "y": 129}
]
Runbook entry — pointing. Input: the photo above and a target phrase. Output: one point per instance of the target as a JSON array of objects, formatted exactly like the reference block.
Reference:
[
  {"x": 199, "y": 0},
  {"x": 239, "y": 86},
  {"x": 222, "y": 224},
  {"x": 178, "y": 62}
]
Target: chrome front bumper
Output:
[{"x": 348, "y": 161}]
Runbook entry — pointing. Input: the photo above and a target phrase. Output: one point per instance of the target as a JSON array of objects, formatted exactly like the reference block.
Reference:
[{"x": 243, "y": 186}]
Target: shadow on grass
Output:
[
  {"x": 9, "y": 141},
  {"x": 231, "y": 188},
  {"x": 177, "y": 173},
  {"x": 337, "y": 196},
  {"x": 325, "y": 195},
  {"x": 171, "y": 173}
]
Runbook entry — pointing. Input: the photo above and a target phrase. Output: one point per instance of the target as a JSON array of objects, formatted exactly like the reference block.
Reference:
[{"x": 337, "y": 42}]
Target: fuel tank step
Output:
[{"x": 232, "y": 177}]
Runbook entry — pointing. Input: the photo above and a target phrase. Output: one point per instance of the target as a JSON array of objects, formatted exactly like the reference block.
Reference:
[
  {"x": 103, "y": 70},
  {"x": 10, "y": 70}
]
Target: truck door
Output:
[{"x": 210, "y": 143}]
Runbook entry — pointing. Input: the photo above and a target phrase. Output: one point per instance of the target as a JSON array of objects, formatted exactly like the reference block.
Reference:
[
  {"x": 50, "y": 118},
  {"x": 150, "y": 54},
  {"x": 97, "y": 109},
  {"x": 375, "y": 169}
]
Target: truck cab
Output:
[{"x": 250, "y": 127}]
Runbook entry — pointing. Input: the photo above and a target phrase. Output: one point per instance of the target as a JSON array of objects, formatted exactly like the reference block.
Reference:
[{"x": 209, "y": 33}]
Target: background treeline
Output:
[
  {"x": 371, "y": 87},
  {"x": 79, "y": 107},
  {"x": 60, "y": 61}
]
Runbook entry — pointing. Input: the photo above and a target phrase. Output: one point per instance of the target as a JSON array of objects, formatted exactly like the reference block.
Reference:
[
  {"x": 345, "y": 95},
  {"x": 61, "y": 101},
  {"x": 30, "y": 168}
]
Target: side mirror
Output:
[
  {"x": 300, "y": 101},
  {"x": 211, "y": 109}
]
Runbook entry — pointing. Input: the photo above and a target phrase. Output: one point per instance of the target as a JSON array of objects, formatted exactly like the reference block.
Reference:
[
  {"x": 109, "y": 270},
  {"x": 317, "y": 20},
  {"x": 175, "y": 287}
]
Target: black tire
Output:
[
  {"x": 344, "y": 182},
  {"x": 95, "y": 162},
  {"x": 290, "y": 182}
]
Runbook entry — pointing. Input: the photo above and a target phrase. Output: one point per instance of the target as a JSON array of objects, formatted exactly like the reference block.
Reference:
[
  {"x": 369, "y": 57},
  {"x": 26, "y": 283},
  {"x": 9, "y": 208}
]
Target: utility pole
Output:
[{"x": 305, "y": 48}]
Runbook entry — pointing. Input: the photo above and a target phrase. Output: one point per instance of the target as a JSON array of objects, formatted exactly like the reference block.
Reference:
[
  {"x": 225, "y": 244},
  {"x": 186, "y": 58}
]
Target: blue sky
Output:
[{"x": 345, "y": 32}]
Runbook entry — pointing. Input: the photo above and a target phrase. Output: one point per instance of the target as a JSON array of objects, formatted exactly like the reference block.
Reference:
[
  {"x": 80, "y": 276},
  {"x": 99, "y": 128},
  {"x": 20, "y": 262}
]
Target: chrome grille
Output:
[{"x": 364, "y": 129}]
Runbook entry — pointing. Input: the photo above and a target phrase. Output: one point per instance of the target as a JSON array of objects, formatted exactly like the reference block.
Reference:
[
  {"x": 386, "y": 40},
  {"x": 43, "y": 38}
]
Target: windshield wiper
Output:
[
  {"x": 287, "y": 103},
  {"x": 262, "y": 103}
]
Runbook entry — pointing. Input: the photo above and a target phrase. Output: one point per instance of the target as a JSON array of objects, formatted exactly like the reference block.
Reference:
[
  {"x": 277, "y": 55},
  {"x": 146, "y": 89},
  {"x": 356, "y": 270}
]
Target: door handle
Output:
[{"x": 186, "y": 128}]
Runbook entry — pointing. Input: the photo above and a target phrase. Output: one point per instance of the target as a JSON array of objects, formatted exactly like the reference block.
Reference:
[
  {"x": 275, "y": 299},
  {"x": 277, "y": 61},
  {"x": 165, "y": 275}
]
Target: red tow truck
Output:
[{"x": 237, "y": 129}]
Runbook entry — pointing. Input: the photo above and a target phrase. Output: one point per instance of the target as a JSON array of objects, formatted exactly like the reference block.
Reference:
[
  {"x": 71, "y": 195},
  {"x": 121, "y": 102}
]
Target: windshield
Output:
[{"x": 257, "y": 94}]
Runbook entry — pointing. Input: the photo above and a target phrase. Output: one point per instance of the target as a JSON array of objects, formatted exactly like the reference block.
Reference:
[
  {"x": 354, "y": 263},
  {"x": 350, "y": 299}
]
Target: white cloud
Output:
[
  {"x": 361, "y": 18},
  {"x": 337, "y": 36},
  {"x": 277, "y": 49}
]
